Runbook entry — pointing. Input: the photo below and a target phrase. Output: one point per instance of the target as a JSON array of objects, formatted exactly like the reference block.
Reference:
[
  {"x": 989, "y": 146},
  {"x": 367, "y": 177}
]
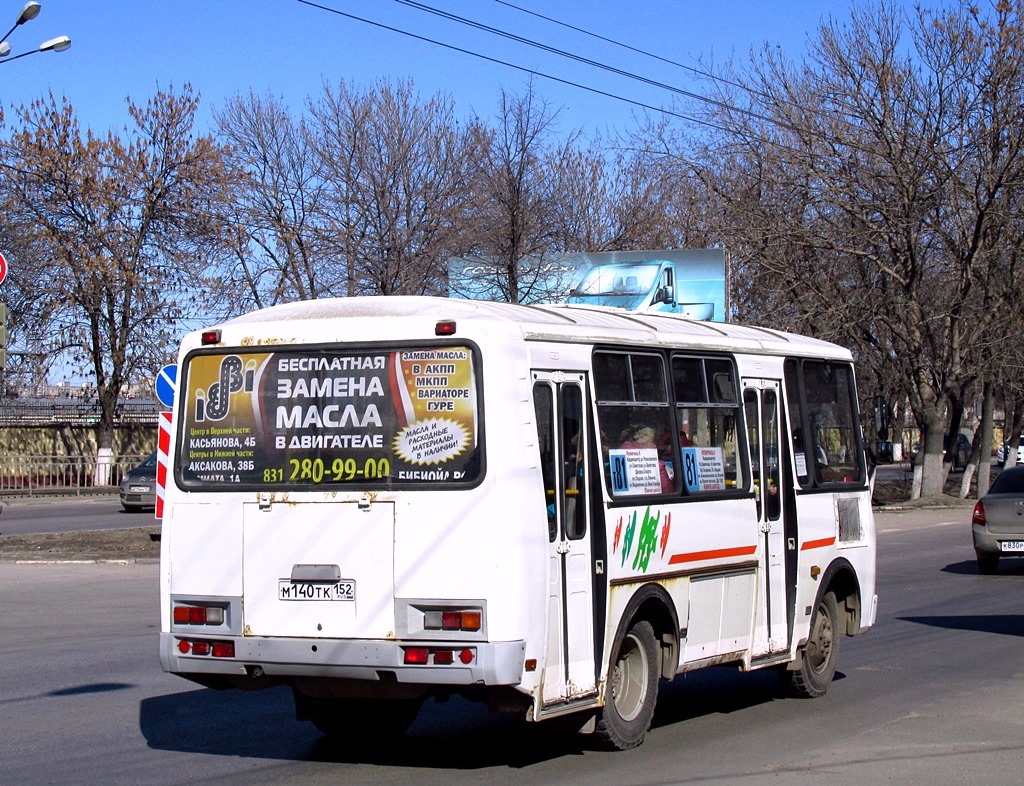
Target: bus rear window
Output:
[{"x": 308, "y": 417}]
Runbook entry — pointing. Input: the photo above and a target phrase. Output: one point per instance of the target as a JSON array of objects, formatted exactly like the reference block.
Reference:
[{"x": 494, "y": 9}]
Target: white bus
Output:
[{"x": 548, "y": 508}]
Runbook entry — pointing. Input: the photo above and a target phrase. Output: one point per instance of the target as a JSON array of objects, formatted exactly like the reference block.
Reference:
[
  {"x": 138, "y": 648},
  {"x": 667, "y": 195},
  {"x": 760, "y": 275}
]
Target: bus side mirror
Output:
[{"x": 667, "y": 294}]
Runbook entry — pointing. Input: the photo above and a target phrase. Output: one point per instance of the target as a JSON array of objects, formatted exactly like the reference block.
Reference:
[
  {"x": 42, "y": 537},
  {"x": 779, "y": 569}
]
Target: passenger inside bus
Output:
[
  {"x": 773, "y": 506},
  {"x": 643, "y": 437}
]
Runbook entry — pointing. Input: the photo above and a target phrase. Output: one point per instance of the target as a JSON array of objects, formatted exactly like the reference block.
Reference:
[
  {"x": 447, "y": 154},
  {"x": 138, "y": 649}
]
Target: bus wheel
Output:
[
  {"x": 632, "y": 690},
  {"x": 821, "y": 653},
  {"x": 364, "y": 721}
]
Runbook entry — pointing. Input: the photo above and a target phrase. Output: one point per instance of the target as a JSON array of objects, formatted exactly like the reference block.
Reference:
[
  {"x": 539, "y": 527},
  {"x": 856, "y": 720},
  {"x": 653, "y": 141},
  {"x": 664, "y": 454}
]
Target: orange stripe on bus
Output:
[
  {"x": 817, "y": 544},
  {"x": 697, "y": 556}
]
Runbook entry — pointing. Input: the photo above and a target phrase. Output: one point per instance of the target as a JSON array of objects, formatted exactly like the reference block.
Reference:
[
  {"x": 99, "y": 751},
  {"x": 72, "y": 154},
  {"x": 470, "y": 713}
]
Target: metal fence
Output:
[
  {"x": 35, "y": 412},
  {"x": 62, "y": 475}
]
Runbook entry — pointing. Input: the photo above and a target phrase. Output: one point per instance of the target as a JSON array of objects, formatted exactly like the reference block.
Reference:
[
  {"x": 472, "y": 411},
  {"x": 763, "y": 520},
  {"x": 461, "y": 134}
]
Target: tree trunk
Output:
[
  {"x": 983, "y": 445},
  {"x": 104, "y": 455}
]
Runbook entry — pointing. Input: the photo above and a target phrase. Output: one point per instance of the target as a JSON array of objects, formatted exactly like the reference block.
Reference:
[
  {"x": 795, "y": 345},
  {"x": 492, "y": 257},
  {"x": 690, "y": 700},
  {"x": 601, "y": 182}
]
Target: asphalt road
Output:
[
  {"x": 931, "y": 695},
  {"x": 23, "y": 516}
]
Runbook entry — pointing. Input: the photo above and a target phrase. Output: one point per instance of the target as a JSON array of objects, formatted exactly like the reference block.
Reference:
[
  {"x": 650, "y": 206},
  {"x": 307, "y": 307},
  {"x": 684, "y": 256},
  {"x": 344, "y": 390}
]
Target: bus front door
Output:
[
  {"x": 569, "y": 668},
  {"x": 761, "y": 402}
]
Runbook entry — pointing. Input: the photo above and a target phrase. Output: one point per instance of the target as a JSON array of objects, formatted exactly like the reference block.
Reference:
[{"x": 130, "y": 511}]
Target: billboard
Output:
[{"x": 692, "y": 282}]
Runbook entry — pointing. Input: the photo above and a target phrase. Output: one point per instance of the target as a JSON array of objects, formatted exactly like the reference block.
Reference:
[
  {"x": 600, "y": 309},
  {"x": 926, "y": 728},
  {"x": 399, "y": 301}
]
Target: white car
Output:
[{"x": 1004, "y": 449}]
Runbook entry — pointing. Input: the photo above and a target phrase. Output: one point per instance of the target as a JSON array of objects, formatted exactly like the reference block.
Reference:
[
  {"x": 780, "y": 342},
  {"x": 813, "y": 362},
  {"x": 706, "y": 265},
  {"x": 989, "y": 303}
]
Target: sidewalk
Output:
[{"x": 895, "y": 518}]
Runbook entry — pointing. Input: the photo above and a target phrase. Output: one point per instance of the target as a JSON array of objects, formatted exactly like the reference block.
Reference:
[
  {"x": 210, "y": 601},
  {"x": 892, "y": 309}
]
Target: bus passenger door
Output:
[
  {"x": 569, "y": 668},
  {"x": 761, "y": 402}
]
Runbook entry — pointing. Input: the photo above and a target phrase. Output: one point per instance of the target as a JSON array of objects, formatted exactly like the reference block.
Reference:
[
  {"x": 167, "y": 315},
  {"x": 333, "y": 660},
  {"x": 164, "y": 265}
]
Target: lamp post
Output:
[
  {"x": 28, "y": 13},
  {"x": 58, "y": 44}
]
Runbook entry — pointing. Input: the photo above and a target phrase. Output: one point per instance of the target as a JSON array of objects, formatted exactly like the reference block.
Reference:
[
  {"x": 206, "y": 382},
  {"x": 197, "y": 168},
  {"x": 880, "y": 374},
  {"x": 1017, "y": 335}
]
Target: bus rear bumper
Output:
[{"x": 473, "y": 663}]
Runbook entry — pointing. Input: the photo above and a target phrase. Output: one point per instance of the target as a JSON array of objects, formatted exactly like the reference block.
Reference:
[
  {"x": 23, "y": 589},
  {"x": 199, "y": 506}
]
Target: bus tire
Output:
[
  {"x": 820, "y": 653},
  {"x": 632, "y": 690},
  {"x": 365, "y": 721}
]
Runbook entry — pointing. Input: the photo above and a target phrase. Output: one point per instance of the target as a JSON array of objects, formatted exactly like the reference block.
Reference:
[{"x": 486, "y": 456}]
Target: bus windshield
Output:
[{"x": 326, "y": 416}]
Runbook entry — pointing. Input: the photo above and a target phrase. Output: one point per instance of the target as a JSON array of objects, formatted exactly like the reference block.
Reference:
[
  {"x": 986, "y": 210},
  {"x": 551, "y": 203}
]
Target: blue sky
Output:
[
  {"x": 123, "y": 48},
  {"x": 130, "y": 48}
]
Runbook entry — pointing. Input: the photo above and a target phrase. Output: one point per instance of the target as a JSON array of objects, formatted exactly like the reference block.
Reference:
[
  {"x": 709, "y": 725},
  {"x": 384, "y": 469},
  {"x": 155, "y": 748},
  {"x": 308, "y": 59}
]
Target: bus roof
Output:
[{"x": 569, "y": 323}]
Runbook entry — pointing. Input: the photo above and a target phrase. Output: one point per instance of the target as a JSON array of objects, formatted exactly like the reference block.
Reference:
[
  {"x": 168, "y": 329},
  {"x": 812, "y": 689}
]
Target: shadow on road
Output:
[
  {"x": 95, "y": 687},
  {"x": 1007, "y": 624},
  {"x": 456, "y": 734},
  {"x": 1009, "y": 567}
]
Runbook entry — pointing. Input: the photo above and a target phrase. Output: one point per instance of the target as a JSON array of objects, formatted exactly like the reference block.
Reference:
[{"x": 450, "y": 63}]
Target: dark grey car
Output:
[
  {"x": 998, "y": 520},
  {"x": 138, "y": 487}
]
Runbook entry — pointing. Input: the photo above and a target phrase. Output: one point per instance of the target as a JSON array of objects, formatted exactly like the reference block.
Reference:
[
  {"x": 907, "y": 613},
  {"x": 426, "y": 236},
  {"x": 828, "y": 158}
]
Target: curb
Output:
[
  {"x": 966, "y": 504},
  {"x": 137, "y": 561},
  {"x": 39, "y": 499}
]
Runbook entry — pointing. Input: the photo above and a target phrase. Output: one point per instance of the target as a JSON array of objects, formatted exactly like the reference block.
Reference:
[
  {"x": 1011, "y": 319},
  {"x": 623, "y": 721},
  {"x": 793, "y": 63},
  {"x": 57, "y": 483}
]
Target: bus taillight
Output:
[
  {"x": 416, "y": 656},
  {"x": 198, "y": 615},
  {"x": 219, "y": 649},
  {"x": 422, "y": 656},
  {"x": 465, "y": 619}
]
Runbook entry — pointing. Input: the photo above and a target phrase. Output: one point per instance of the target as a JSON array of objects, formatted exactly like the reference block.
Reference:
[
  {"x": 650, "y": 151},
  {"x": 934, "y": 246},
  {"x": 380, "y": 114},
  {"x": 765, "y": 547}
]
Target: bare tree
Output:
[
  {"x": 607, "y": 199},
  {"x": 274, "y": 212},
  {"x": 871, "y": 194},
  {"x": 397, "y": 174},
  {"x": 119, "y": 229},
  {"x": 541, "y": 195},
  {"x": 512, "y": 230}
]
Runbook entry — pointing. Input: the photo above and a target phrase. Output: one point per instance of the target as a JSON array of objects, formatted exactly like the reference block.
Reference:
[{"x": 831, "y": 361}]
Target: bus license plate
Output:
[
  {"x": 316, "y": 590},
  {"x": 1012, "y": 545}
]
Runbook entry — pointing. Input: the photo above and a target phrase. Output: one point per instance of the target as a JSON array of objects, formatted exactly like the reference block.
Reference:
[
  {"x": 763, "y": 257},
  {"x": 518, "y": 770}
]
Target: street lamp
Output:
[
  {"x": 58, "y": 44},
  {"x": 28, "y": 13}
]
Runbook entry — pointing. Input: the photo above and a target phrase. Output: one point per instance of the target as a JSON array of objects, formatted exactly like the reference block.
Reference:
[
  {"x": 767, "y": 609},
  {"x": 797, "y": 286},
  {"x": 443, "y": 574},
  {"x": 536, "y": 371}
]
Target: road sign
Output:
[
  {"x": 3, "y": 268},
  {"x": 166, "y": 384}
]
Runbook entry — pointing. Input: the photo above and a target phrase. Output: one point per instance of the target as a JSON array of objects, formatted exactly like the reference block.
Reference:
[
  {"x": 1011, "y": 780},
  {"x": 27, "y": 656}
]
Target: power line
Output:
[
  {"x": 597, "y": 91},
  {"x": 507, "y": 64},
  {"x": 570, "y": 55},
  {"x": 645, "y": 53},
  {"x": 654, "y": 83}
]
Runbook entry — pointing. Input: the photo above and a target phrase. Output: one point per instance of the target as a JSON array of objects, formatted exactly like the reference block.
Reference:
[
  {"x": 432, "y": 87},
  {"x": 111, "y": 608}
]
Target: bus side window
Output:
[
  {"x": 754, "y": 444},
  {"x": 707, "y": 410},
  {"x": 573, "y": 478},
  {"x": 634, "y": 413},
  {"x": 826, "y": 429},
  {"x": 543, "y": 404}
]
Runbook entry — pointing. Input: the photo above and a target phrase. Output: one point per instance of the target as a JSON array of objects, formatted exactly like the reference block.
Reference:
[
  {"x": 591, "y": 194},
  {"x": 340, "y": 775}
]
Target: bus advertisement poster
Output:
[{"x": 324, "y": 416}]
